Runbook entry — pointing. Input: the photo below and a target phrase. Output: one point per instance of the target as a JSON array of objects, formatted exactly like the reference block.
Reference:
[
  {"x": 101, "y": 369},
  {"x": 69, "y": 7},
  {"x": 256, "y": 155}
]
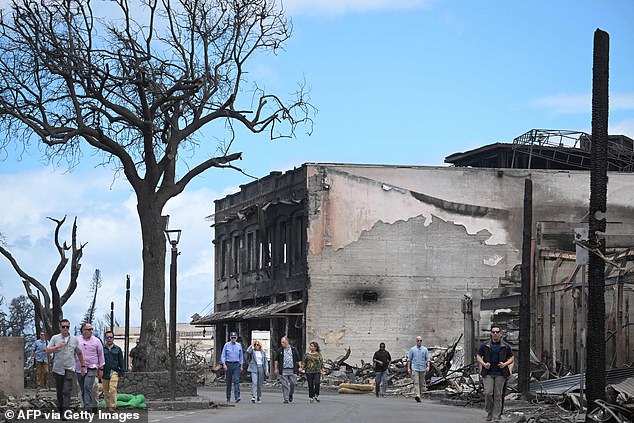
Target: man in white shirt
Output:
[{"x": 65, "y": 346}]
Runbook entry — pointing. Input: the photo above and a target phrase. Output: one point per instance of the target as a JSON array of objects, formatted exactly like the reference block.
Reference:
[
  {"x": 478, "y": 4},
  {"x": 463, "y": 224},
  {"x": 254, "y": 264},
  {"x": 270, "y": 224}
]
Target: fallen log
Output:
[
  {"x": 351, "y": 391},
  {"x": 365, "y": 387}
]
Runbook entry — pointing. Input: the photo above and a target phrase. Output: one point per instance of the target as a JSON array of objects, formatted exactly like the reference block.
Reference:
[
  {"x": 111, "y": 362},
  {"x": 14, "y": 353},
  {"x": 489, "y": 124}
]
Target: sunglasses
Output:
[
  {"x": 109, "y": 337},
  {"x": 65, "y": 327},
  {"x": 495, "y": 331},
  {"x": 87, "y": 328}
]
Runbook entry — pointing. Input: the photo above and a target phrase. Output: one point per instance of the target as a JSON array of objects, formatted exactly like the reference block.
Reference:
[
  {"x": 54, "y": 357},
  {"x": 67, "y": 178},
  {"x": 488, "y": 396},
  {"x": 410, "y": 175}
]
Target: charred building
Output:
[{"x": 354, "y": 254}]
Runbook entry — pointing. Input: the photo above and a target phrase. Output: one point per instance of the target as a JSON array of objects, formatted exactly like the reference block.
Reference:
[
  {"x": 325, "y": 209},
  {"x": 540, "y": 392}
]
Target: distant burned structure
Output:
[
  {"x": 353, "y": 254},
  {"x": 548, "y": 149}
]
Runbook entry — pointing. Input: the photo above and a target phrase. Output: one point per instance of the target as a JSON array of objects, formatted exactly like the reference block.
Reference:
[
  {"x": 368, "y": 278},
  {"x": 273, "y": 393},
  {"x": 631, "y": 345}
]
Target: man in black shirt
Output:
[
  {"x": 495, "y": 357},
  {"x": 381, "y": 360}
]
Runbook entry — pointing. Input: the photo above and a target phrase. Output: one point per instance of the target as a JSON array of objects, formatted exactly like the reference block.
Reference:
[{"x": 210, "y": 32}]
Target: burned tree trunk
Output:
[
  {"x": 525, "y": 299},
  {"x": 595, "y": 373},
  {"x": 49, "y": 306}
]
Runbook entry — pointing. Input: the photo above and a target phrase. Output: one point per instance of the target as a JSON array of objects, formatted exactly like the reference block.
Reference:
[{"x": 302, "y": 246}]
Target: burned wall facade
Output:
[{"x": 392, "y": 250}]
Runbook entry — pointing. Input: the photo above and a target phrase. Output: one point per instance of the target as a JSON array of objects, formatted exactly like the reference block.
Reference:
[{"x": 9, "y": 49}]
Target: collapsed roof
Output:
[{"x": 548, "y": 149}]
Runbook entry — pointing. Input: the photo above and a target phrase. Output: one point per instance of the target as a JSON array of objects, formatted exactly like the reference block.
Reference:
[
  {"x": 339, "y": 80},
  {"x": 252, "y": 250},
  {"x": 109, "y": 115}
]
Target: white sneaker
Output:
[
  {"x": 253, "y": 399},
  {"x": 259, "y": 401}
]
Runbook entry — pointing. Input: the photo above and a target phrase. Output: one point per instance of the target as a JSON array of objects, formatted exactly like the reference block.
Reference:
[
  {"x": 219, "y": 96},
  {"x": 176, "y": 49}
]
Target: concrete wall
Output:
[
  {"x": 157, "y": 384},
  {"x": 12, "y": 365},
  {"x": 417, "y": 239}
]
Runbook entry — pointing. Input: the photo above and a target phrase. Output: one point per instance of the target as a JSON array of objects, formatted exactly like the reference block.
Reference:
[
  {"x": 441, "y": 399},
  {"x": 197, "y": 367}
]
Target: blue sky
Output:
[{"x": 395, "y": 82}]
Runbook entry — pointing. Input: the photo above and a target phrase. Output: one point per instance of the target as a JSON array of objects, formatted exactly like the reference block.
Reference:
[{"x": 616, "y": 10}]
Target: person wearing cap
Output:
[{"x": 232, "y": 359}]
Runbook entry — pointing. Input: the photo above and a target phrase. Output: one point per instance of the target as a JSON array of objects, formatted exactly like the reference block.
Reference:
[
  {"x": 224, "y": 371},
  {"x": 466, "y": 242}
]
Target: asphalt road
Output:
[{"x": 332, "y": 408}]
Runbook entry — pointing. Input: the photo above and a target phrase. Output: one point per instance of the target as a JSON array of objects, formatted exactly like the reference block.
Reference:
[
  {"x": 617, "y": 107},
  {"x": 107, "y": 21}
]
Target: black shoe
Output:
[
  {"x": 417, "y": 399},
  {"x": 285, "y": 401},
  {"x": 290, "y": 398},
  {"x": 237, "y": 399}
]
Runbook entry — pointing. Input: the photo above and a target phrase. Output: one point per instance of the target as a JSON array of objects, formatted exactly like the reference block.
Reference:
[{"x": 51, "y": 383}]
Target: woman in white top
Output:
[{"x": 259, "y": 369}]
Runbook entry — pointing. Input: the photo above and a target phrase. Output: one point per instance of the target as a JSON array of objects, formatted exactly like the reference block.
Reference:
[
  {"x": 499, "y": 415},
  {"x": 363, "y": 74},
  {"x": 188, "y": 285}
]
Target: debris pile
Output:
[
  {"x": 41, "y": 400},
  {"x": 554, "y": 397}
]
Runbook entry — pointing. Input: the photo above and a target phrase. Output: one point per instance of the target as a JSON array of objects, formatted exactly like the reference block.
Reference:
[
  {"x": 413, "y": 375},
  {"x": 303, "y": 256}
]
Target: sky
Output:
[{"x": 405, "y": 82}]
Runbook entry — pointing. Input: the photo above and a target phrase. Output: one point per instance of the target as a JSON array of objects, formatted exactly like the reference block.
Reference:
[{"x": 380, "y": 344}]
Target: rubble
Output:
[
  {"x": 40, "y": 400},
  {"x": 459, "y": 384}
]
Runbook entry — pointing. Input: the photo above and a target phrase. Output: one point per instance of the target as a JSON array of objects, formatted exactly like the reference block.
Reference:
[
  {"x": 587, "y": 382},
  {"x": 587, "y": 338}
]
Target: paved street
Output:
[{"x": 333, "y": 408}]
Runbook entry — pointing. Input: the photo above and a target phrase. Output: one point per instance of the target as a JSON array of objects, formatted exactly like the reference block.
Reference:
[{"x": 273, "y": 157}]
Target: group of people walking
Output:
[
  {"x": 287, "y": 365},
  {"x": 84, "y": 358},
  {"x": 494, "y": 356}
]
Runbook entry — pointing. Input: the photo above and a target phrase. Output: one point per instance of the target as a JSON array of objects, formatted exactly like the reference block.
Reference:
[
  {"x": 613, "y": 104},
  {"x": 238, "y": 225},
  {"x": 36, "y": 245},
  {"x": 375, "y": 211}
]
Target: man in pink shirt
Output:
[{"x": 92, "y": 350}]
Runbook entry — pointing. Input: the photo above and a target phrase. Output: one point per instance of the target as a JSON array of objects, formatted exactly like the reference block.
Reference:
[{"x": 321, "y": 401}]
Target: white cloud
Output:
[
  {"x": 108, "y": 222},
  {"x": 340, "y": 7},
  {"x": 582, "y": 103},
  {"x": 623, "y": 101},
  {"x": 624, "y": 127}
]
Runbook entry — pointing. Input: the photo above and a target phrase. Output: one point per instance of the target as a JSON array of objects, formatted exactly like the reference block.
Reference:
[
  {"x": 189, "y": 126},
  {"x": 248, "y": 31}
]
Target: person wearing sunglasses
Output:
[
  {"x": 64, "y": 347},
  {"x": 232, "y": 360},
  {"x": 92, "y": 349},
  {"x": 112, "y": 371},
  {"x": 258, "y": 368},
  {"x": 494, "y": 356}
]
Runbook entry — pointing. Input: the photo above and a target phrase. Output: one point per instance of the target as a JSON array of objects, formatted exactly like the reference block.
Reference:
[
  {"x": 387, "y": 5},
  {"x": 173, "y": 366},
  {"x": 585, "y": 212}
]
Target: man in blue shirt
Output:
[
  {"x": 41, "y": 361},
  {"x": 417, "y": 365},
  {"x": 495, "y": 356},
  {"x": 232, "y": 359}
]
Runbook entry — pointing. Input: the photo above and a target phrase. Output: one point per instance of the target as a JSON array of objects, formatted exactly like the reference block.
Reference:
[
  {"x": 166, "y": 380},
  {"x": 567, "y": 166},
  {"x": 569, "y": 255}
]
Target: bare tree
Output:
[
  {"x": 94, "y": 288},
  {"x": 48, "y": 306},
  {"x": 138, "y": 92},
  {"x": 102, "y": 324}
]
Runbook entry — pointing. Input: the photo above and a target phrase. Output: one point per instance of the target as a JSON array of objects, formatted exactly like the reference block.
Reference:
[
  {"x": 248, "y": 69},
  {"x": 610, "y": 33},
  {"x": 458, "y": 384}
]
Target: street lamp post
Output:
[{"x": 173, "y": 236}]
